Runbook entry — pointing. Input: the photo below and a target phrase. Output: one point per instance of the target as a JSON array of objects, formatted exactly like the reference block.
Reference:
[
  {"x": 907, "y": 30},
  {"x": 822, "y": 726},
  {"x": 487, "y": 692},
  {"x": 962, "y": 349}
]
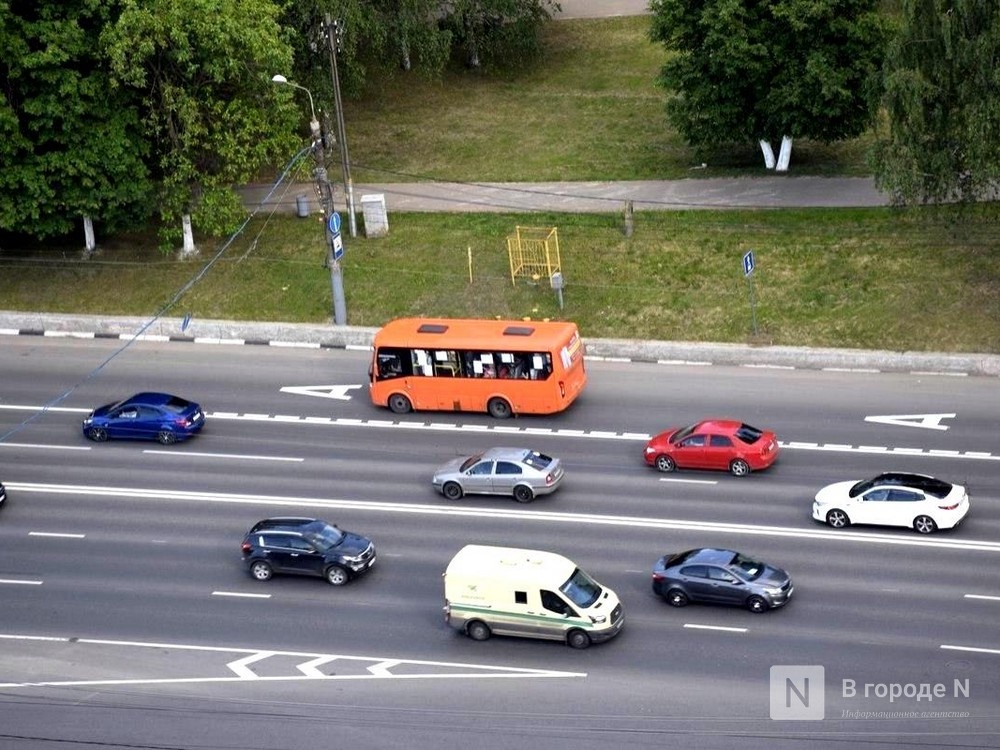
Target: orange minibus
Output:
[{"x": 502, "y": 367}]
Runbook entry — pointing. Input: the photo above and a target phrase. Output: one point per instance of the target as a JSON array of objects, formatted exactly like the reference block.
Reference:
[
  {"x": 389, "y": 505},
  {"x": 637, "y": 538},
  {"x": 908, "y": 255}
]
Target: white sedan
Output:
[{"x": 915, "y": 501}]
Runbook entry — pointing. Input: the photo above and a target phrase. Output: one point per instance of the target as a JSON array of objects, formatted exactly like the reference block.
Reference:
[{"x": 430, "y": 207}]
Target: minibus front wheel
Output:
[
  {"x": 577, "y": 639},
  {"x": 499, "y": 409}
]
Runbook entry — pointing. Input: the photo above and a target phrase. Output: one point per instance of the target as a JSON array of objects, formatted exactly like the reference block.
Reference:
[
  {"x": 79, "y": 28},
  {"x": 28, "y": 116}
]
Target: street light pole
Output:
[
  {"x": 326, "y": 201},
  {"x": 333, "y": 30}
]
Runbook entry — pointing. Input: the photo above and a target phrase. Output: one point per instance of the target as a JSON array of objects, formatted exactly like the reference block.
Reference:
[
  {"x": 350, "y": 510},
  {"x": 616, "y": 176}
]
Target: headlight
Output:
[
  {"x": 599, "y": 620},
  {"x": 88, "y": 420}
]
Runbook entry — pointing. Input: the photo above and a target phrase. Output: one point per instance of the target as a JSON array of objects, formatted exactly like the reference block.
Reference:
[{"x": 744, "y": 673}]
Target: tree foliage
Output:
[
  {"x": 212, "y": 116},
  {"x": 742, "y": 71},
  {"x": 70, "y": 145},
  {"x": 942, "y": 101},
  {"x": 497, "y": 33}
]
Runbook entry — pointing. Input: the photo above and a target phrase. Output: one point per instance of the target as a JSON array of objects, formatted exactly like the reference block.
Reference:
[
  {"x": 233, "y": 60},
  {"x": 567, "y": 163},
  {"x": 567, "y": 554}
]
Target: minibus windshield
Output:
[{"x": 581, "y": 589}]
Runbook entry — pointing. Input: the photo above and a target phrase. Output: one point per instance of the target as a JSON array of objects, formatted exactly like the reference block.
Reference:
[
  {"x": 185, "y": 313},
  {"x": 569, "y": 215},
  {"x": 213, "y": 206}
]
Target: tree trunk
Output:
[
  {"x": 785, "y": 155},
  {"x": 765, "y": 147},
  {"x": 189, "y": 246},
  {"x": 88, "y": 236}
]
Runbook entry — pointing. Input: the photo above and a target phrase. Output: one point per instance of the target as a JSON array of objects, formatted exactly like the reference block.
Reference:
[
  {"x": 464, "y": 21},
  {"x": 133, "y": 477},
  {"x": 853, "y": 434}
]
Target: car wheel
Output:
[
  {"x": 399, "y": 404},
  {"x": 335, "y": 575},
  {"x": 499, "y": 409},
  {"x": 665, "y": 464},
  {"x": 676, "y": 598},
  {"x": 577, "y": 639},
  {"x": 478, "y": 630},
  {"x": 523, "y": 494},
  {"x": 97, "y": 434},
  {"x": 452, "y": 490},
  {"x": 261, "y": 571},
  {"x": 166, "y": 437},
  {"x": 837, "y": 519},
  {"x": 739, "y": 468},
  {"x": 757, "y": 604},
  {"x": 924, "y": 525}
]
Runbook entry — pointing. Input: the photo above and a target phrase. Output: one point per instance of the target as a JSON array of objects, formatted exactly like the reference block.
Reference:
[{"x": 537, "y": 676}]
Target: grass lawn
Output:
[
  {"x": 923, "y": 280},
  {"x": 871, "y": 278}
]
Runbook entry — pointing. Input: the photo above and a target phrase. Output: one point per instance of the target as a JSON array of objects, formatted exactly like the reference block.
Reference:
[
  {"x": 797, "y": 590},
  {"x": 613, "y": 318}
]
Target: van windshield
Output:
[{"x": 581, "y": 589}]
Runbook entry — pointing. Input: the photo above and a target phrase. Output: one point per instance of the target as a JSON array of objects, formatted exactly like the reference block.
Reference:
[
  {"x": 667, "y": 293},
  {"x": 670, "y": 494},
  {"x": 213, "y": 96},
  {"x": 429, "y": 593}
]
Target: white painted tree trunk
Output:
[
  {"x": 189, "y": 247},
  {"x": 88, "y": 235},
  {"x": 765, "y": 147},
  {"x": 785, "y": 155}
]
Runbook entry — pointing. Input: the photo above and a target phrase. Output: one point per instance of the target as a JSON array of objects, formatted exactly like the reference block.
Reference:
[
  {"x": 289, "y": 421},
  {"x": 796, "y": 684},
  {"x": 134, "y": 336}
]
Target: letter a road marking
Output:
[{"x": 927, "y": 421}]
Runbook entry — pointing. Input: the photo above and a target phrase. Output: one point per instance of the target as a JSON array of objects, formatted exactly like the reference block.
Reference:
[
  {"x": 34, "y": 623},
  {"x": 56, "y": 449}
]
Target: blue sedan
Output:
[{"x": 145, "y": 416}]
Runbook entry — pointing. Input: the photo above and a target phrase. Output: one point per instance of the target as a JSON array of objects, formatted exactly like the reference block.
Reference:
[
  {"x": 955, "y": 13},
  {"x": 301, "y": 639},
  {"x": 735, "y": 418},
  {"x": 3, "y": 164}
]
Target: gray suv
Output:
[
  {"x": 305, "y": 546},
  {"x": 720, "y": 576}
]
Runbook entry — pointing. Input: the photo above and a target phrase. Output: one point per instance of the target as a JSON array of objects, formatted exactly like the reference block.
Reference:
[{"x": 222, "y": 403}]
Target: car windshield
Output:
[
  {"x": 537, "y": 460},
  {"x": 749, "y": 569},
  {"x": 861, "y": 487},
  {"x": 748, "y": 434},
  {"x": 470, "y": 462},
  {"x": 682, "y": 433},
  {"x": 323, "y": 536},
  {"x": 581, "y": 589}
]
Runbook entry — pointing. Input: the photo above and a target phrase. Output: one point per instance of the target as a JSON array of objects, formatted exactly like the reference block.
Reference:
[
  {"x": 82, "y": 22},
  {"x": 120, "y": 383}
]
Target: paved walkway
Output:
[{"x": 777, "y": 191}]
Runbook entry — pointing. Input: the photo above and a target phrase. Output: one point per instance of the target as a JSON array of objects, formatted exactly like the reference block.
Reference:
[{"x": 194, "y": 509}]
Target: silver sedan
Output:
[{"x": 519, "y": 472}]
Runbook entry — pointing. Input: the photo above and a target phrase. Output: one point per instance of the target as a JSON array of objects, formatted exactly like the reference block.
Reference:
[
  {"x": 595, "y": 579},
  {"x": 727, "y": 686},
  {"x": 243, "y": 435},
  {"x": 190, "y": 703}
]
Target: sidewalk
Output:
[{"x": 783, "y": 191}]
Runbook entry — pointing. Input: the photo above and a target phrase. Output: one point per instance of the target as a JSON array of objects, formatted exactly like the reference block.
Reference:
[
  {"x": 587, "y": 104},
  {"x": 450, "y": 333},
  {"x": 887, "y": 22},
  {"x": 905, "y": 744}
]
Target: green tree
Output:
[
  {"x": 942, "y": 100},
  {"x": 497, "y": 33},
  {"x": 212, "y": 116},
  {"x": 70, "y": 146},
  {"x": 746, "y": 72}
]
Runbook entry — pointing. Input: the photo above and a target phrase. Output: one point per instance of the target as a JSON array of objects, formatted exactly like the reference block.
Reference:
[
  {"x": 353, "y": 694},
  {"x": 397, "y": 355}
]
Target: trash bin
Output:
[{"x": 302, "y": 206}]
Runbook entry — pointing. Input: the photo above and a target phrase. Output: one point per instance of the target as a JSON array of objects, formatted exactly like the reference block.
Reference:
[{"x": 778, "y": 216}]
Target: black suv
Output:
[{"x": 306, "y": 546}]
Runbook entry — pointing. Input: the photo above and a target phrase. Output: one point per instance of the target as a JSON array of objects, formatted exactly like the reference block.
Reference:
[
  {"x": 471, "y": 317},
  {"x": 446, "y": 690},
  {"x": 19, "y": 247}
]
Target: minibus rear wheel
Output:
[{"x": 478, "y": 630}]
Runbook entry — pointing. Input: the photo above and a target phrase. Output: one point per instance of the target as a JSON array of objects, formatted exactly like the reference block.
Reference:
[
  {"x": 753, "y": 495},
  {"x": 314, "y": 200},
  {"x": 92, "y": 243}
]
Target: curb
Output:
[{"x": 301, "y": 335}]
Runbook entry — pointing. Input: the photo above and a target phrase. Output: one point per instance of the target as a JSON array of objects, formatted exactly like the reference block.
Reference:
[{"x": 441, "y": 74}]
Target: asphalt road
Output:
[{"x": 138, "y": 627}]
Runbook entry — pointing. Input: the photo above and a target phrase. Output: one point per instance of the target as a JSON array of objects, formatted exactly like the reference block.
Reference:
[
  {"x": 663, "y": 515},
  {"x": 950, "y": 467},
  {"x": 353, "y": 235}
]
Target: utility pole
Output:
[
  {"x": 334, "y": 29},
  {"x": 325, "y": 192}
]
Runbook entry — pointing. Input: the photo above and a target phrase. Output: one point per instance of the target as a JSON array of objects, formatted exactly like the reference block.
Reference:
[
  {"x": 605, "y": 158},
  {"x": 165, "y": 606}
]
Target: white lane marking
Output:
[
  {"x": 20, "y": 582},
  {"x": 850, "y": 369},
  {"x": 293, "y": 344},
  {"x": 47, "y": 447},
  {"x": 241, "y": 668},
  {"x": 972, "y": 649},
  {"x": 983, "y": 596},
  {"x": 56, "y": 535},
  {"x": 504, "y": 429},
  {"x": 382, "y": 668},
  {"x": 689, "y": 362},
  {"x": 714, "y": 627},
  {"x": 769, "y": 367},
  {"x": 311, "y": 668},
  {"x": 68, "y": 334},
  {"x": 689, "y": 481},
  {"x": 241, "y": 595},
  {"x": 338, "y": 392},
  {"x": 927, "y": 421},
  {"x": 214, "y": 340},
  {"x": 940, "y": 372},
  {"x": 903, "y": 538},
  {"x": 237, "y": 456}
]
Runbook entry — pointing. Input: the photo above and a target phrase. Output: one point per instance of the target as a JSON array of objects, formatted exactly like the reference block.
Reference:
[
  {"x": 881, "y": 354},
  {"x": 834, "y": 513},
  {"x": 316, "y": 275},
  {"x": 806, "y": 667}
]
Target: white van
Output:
[{"x": 527, "y": 593}]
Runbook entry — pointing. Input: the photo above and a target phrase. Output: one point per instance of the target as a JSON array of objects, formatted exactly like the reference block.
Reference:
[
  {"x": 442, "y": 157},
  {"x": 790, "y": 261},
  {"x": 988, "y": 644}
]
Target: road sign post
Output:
[{"x": 749, "y": 264}]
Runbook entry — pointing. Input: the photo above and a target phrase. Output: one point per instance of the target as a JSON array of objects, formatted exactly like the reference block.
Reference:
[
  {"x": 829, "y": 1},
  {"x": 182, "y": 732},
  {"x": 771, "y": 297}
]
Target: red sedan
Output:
[{"x": 713, "y": 444}]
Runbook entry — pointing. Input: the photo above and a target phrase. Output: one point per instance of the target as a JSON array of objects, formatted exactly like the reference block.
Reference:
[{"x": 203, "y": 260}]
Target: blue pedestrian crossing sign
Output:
[
  {"x": 333, "y": 223},
  {"x": 748, "y": 263}
]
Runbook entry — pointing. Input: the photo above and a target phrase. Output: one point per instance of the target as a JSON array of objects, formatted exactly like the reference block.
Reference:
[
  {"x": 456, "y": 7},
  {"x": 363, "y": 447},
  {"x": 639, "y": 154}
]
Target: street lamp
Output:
[
  {"x": 326, "y": 199},
  {"x": 333, "y": 31}
]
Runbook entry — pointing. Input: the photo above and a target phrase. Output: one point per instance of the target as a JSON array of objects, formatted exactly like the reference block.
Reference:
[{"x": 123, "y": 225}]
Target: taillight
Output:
[
  {"x": 246, "y": 547},
  {"x": 657, "y": 577},
  {"x": 550, "y": 479},
  {"x": 950, "y": 507}
]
